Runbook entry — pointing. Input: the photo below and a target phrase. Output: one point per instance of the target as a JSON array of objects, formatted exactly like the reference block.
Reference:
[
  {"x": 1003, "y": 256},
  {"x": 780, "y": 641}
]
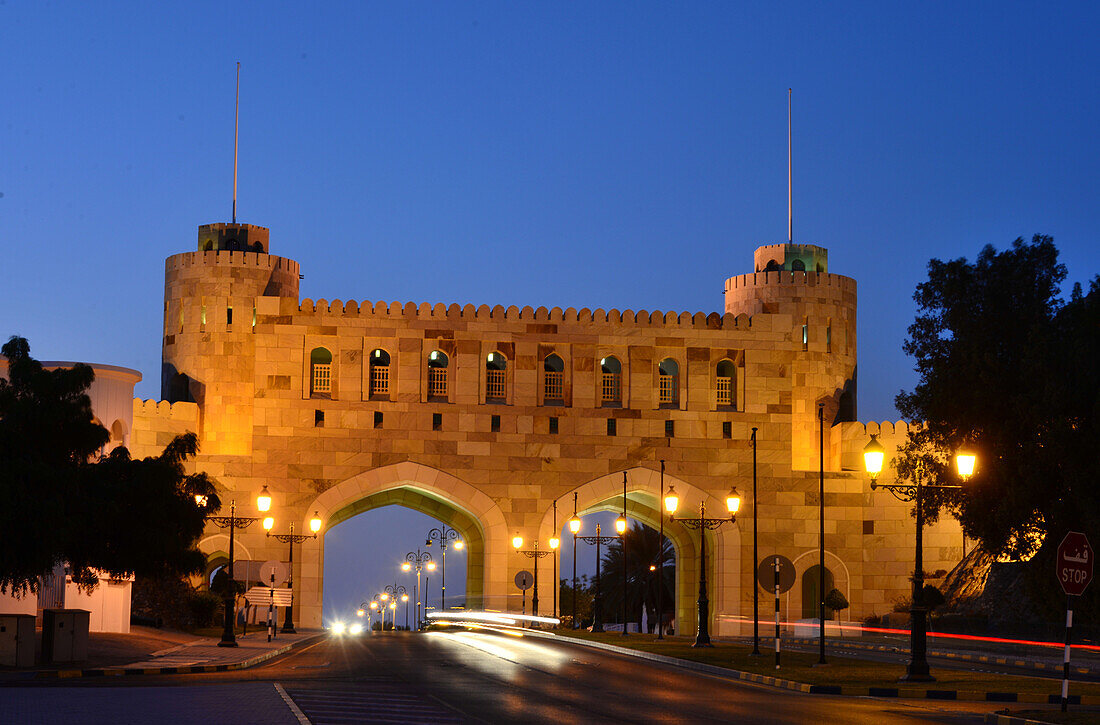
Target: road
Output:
[{"x": 461, "y": 677}]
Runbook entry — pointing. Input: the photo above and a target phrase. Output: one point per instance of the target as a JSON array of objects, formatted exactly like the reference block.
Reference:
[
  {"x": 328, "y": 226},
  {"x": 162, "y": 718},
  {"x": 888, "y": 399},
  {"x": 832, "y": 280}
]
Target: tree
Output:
[
  {"x": 66, "y": 502},
  {"x": 644, "y": 548},
  {"x": 1010, "y": 370},
  {"x": 585, "y": 592}
]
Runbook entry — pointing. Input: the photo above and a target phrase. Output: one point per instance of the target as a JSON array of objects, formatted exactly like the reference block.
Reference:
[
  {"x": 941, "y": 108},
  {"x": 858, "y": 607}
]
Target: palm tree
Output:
[{"x": 644, "y": 548}]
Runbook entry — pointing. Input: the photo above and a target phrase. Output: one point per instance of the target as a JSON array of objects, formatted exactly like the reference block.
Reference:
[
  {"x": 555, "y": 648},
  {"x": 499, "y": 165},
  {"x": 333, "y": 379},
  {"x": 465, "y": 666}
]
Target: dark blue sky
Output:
[{"x": 626, "y": 155}]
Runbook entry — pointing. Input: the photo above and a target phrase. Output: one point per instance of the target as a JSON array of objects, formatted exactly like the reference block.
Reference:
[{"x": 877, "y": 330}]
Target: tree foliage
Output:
[
  {"x": 65, "y": 502},
  {"x": 1012, "y": 371},
  {"x": 644, "y": 547}
]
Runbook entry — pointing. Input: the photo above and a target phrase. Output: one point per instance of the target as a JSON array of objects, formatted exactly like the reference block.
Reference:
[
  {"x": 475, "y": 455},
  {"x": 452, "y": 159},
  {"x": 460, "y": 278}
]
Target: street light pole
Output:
[
  {"x": 661, "y": 563},
  {"x": 291, "y": 539},
  {"x": 443, "y": 535},
  {"x": 418, "y": 559},
  {"x": 702, "y": 524},
  {"x": 233, "y": 522},
  {"x": 394, "y": 591},
  {"x": 597, "y": 600},
  {"x": 821, "y": 540},
  {"x": 574, "y": 528},
  {"x": 517, "y": 541},
  {"x": 917, "y": 670},
  {"x": 620, "y": 526}
]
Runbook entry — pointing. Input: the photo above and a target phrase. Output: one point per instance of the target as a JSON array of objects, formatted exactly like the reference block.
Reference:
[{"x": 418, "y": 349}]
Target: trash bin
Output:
[
  {"x": 65, "y": 635},
  {"x": 17, "y": 640}
]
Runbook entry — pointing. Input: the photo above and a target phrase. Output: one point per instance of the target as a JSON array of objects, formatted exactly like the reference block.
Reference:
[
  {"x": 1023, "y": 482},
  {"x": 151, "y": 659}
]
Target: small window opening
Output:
[
  {"x": 377, "y": 419},
  {"x": 611, "y": 428},
  {"x": 553, "y": 426},
  {"x": 437, "y": 374},
  {"x": 670, "y": 428},
  {"x": 229, "y": 316},
  {"x": 726, "y": 380},
  {"x": 496, "y": 366},
  {"x": 868, "y": 527},
  {"x": 253, "y": 317},
  {"x": 611, "y": 377},
  {"x": 202, "y": 317},
  {"x": 727, "y": 429},
  {"x": 437, "y": 421},
  {"x": 320, "y": 371},
  {"x": 829, "y": 338},
  {"x": 553, "y": 370},
  {"x": 380, "y": 373},
  {"x": 805, "y": 336},
  {"x": 494, "y": 424},
  {"x": 318, "y": 419}
]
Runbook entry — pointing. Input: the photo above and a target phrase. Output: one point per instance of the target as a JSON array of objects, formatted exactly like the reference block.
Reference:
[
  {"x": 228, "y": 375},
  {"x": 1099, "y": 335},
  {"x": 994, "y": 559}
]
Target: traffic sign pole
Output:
[
  {"x": 1065, "y": 661},
  {"x": 1073, "y": 568}
]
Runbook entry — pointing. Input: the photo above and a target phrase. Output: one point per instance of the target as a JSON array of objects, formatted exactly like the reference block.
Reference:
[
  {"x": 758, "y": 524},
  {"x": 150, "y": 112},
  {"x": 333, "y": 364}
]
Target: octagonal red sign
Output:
[{"x": 1074, "y": 562}]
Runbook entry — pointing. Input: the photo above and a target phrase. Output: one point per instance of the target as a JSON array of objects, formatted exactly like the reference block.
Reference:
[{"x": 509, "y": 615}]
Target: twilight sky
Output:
[{"x": 612, "y": 155}]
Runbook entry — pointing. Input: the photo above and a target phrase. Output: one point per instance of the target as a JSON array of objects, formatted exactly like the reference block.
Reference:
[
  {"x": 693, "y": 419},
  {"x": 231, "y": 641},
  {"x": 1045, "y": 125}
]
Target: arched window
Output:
[
  {"x": 611, "y": 381},
  {"x": 668, "y": 377},
  {"x": 379, "y": 373},
  {"x": 208, "y": 246},
  {"x": 437, "y": 374},
  {"x": 798, "y": 266},
  {"x": 118, "y": 435},
  {"x": 553, "y": 370},
  {"x": 496, "y": 367},
  {"x": 727, "y": 383},
  {"x": 320, "y": 371}
]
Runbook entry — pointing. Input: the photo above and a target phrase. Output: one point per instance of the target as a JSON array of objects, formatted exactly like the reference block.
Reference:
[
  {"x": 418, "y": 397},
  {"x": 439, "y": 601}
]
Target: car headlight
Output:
[
  {"x": 356, "y": 628},
  {"x": 338, "y": 627}
]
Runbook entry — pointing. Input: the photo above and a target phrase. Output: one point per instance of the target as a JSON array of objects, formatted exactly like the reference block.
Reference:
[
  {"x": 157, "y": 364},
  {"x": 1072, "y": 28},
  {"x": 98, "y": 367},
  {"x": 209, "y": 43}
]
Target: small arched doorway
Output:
[{"x": 812, "y": 594}]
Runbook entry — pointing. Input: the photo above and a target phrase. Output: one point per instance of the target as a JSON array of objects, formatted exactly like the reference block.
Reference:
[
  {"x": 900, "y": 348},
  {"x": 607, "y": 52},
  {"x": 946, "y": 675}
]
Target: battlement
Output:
[
  {"x": 791, "y": 257},
  {"x": 231, "y": 259},
  {"x": 181, "y": 412},
  {"x": 411, "y": 311},
  {"x": 782, "y": 277},
  {"x": 233, "y": 237}
]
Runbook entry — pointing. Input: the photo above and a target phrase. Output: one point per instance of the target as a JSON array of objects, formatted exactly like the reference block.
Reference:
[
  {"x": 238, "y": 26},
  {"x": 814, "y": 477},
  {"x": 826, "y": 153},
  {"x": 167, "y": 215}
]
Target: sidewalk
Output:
[{"x": 193, "y": 655}]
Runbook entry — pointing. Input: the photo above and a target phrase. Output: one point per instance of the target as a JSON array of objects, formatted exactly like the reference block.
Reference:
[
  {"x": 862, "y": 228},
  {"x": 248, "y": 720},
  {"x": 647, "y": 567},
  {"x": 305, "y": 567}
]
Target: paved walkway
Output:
[{"x": 251, "y": 649}]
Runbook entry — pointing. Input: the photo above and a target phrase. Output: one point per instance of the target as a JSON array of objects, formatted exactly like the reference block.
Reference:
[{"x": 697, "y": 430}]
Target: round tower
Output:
[
  {"x": 818, "y": 355},
  {"x": 210, "y": 302}
]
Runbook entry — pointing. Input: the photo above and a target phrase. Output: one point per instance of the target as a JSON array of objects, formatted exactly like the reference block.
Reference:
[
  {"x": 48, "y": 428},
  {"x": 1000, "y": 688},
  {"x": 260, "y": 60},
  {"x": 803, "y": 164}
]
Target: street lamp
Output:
[
  {"x": 755, "y": 559},
  {"x": 234, "y": 522},
  {"x": 574, "y": 528},
  {"x": 291, "y": 539},
  {"x": 702, "y": 523},
  {"x": 597, "y": 600},
  {"x": 620, "y": 526},
  {"x": 418, "y": 559},
  {"x": 554, "y": 543},
  {"x": 393, "y": 591},
  {"x": 517, "y": 541},
  {"x": 443, "y": 535},
  {"x": 661, "y": 563},
  {"x": 873, "y": 454}
]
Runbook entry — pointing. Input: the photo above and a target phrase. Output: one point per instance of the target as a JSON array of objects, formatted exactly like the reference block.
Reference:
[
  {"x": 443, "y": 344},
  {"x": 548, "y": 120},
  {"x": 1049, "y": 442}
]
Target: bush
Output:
[
  {"x": 204, "y": 607},
  {"x": 836, "y": 601}
]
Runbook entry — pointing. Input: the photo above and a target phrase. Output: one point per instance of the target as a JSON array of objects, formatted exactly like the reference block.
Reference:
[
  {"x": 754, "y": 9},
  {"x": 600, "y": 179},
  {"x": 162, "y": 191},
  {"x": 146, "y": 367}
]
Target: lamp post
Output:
[
  {"x": 821, "y": 530},
  {"x": 234, "y": 522},
  {"x": 405, "y": 599},
  {"x": 597, "y": 601},
  {"x": 393, "y": 591},
  {"x": 917, "y": 670},
  {"x": 574, "y": 528},
  {"x": 443, "y": 535},
  {"x": 661, "y": 564},
  {"x": 702, "y": 524},
  {"x": 291, "y": 539},
  {"x": 418, "y": 559},
  {"x": 517, "y": 542},
  {"x": 620, "y": 526},
  {"x": 368, "y": 610},
  {"x": 755, "y": 559},
  {"x": 385, "y": 599},
  {"x": 554, "y": 542}
]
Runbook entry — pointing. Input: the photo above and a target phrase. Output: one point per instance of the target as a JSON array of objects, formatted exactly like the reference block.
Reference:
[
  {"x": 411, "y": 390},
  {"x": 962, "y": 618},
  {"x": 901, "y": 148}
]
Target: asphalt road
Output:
[{"x": 465, "y": 677}]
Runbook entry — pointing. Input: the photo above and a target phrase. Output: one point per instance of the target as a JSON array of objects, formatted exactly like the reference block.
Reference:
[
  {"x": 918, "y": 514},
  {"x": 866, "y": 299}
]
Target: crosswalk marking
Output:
[{"x": 377, "y": 702}]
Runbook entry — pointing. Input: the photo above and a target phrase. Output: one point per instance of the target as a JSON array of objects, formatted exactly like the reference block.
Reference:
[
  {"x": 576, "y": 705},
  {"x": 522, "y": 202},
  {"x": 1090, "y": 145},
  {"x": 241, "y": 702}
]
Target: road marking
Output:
[{"x": 302, "y": 719}]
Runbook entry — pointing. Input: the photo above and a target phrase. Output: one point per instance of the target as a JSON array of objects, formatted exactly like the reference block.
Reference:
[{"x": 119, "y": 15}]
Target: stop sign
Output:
[{"x": 1074, "y": 562}]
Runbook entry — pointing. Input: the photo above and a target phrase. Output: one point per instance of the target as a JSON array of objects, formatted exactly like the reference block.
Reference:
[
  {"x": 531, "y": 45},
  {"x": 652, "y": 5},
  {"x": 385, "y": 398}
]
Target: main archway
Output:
[{"x": 428, "y": 490}]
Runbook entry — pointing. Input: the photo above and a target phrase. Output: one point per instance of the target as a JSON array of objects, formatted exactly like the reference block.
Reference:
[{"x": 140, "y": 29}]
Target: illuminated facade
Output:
[{"x": 484, "y": 417}]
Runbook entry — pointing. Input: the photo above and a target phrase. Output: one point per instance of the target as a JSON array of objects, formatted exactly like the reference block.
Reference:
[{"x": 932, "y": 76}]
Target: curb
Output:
[
  {"x": 901, "y": 693},
  {"x": 946, "y": 654},
  {"x": 992, "y": 718},
  {"x": 187, "y": 670}
]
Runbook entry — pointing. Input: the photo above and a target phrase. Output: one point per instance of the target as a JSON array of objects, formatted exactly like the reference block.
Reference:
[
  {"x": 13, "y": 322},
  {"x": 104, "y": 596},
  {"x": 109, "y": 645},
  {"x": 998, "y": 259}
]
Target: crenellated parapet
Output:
[{"x": 157, "y": 422}]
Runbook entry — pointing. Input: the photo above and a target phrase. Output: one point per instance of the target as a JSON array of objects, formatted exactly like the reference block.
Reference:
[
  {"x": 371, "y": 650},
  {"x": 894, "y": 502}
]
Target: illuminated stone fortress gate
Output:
[{"x": 484, "y": 417}]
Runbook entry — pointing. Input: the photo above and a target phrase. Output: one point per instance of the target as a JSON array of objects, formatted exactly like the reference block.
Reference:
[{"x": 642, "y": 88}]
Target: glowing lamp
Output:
[
  {"x": 653, "y": 567},
  {"x": 374, "y": 605},
  {"x": 268, "y": 523},
  {"x": 574, "y": 525},
  {"x": 517, "y": 541},
  {"x": 404, "y": 597},
  {"x": 458, "y": 544},
  {"x": 315, "y": 523},
  {"x": 384, "y": 596},
  {"x": 964, "y": 463},
  {"x": 431, "y": 566},
  {"x": 733, "y": 501},
  {"x": 672, "y": 500},
  {"x": 263, "y": 501},
  {"x": 554, "y": 541},
  {"x": 359, "y": 613},
  {"x": 620, "y": 524},
  {"x": 406, "y": 566},
  {"x": 873, "y": 453},
  {"x": 393, "y": 605}
]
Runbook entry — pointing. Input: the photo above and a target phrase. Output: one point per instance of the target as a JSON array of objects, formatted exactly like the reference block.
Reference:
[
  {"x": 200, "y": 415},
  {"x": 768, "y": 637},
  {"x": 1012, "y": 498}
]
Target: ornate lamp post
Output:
[
  {"x": 517, "y": 542},
  {"x": 443, "y": 535},
  {"x": 392, "y": 592},
  {"x": 554, "y": 543},
  {"x": 233, "y": 522},
  {"x": 755, "y": 559},
  {"x": 419, "y": 559},
  {"x": 702, "y": 524},
  {"x": 620, "y": 526},
  {"x": 917, "y": 670},
  {"x": 291, "y": 539},
  {"x": 574, "y": 528},
  {"x": 597, "y": 601},
  {"x": 661, "y": 565}
]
